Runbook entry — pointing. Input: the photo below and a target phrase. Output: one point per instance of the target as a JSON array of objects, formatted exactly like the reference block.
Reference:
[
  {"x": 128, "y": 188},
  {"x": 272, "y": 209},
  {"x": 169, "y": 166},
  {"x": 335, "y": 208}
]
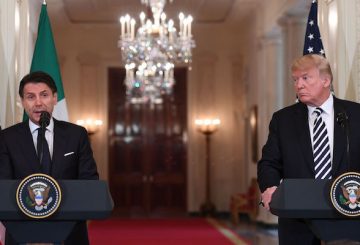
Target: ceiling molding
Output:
[{"x": 108, "y": 11}]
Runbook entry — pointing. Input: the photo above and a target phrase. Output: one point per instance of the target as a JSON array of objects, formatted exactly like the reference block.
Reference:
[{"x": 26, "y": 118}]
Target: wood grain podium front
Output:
[
  {"x": 309, "y": 199},
  {"x": 81, "y": 200}
]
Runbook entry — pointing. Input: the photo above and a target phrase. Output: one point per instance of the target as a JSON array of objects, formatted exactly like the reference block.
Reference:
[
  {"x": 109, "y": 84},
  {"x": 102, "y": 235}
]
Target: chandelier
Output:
[{"x": 151, "y": 52}]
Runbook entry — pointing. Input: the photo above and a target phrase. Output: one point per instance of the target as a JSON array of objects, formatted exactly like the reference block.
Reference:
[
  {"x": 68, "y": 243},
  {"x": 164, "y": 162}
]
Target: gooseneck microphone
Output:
[
  {"x": 343, "y": 120},
  {"x": 44, "y": 119},
  {"x": 44, "y": 122}
]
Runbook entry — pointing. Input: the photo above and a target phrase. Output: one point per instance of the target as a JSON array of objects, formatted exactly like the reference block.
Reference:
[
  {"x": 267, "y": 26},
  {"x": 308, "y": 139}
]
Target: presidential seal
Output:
[
  {"x": 38, "y": 196},
  {"x": 345, "y": 194}
]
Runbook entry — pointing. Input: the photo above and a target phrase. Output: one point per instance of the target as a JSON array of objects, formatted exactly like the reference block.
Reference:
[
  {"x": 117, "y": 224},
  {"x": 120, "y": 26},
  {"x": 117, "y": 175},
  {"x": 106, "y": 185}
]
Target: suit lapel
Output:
[
  {"x": 28, "y": 148},
  {"x": 302, "y": 126},
  {"x": 339, "y": 139},
  {"x": 59, "y": 148}
]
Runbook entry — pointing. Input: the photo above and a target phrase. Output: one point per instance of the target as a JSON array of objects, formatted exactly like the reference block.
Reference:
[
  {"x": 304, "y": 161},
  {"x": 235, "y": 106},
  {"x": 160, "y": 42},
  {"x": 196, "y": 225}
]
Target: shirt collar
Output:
[
  {"x": 327, "y": 106},
  {"x": 34, "y": 127}
]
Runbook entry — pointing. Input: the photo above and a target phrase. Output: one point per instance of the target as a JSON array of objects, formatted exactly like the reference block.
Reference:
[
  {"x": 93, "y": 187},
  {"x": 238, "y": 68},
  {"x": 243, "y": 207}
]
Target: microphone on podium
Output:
[
  {"x": 343, "y": 120},
  {"x": 44, "y": 119},
  {"x": 44, "y": 122}
]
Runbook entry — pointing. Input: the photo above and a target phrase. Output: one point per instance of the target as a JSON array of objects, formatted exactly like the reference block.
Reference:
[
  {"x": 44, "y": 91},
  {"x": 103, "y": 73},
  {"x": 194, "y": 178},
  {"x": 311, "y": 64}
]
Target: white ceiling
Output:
[{"x": 109, "y": 11}]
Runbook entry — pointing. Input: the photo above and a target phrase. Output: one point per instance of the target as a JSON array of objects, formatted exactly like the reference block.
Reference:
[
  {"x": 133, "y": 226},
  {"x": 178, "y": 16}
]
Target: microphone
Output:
[
  {"x": 44, "y": 119},
  {"x": 343, "y": 120},
  {"x": 44, "y": 122}
]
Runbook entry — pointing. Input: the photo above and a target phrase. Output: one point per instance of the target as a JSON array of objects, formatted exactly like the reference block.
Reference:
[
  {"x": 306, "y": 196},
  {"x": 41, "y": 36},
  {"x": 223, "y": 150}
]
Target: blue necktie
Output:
[
  {"x": 43, "y": 152},
  {"x": 321, "y": 148}
]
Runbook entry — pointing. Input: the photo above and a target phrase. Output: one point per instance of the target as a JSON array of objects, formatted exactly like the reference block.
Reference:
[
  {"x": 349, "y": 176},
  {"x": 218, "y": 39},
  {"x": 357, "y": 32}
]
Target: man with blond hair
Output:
[{"x": 309, "y": 140}]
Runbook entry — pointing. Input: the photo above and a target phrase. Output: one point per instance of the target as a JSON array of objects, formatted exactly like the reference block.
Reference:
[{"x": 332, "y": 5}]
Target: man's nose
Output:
[
  {"x": 38, "y": 101},
  {"x": 299, "y": 83}
]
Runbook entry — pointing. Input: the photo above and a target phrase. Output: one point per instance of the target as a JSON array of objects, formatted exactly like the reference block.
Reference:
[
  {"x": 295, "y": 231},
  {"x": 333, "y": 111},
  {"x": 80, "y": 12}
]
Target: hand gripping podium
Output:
[
  {"x": 309, "y": 199},
  {"x": 81, "y": 200}
]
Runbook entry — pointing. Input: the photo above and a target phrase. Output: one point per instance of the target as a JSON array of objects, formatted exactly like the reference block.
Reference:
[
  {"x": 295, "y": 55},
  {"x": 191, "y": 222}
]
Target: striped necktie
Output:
[{"x": 321, "y": 148}]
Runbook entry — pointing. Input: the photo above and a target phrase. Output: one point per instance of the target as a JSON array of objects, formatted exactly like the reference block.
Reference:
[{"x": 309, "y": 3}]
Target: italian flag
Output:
[{"x": 45, "y": 59}]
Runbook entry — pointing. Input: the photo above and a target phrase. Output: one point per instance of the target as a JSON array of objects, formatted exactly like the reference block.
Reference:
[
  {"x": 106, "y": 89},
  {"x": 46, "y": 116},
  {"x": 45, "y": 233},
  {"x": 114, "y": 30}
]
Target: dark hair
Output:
[{"x": 37, "y": 77}]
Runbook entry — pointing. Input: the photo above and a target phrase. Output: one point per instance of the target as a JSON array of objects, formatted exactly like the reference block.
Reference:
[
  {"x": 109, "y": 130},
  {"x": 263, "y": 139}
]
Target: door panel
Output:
[{"x": 147, "y": 150}]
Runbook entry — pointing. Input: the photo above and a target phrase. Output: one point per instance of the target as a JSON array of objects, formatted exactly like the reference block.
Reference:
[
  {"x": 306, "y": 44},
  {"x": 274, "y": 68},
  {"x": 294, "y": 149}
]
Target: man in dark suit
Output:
[
  {"x": 69, "y": 146},
  {"x": 291, "y": 149}
]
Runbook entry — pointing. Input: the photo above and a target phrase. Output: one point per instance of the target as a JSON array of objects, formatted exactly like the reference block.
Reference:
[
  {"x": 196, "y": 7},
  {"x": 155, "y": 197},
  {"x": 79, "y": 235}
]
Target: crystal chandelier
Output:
[{"x": 151, "y": 52}]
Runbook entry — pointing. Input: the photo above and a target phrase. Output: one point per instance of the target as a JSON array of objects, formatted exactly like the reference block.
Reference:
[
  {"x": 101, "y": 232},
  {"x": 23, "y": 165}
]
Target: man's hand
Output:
[{"x": 266, "y": 196}]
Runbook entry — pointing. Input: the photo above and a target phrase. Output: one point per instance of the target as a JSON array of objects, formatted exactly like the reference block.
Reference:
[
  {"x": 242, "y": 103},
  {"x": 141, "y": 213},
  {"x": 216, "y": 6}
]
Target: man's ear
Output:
[
  {"x": 326, "y": 81},
  {"x": 55, "y": 98}
]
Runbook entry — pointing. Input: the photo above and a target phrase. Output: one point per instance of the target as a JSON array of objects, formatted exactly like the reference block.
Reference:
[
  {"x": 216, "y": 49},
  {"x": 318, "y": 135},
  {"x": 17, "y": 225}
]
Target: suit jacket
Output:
[
  {"x": 288, "y": 150},
  {"x": 72, "y": 159},
  {"x": 72, "y": 155}
]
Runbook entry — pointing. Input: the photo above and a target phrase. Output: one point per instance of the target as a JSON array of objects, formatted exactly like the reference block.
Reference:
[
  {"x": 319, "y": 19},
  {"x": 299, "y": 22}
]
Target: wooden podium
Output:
[
  {"x": 81, "y": 200},
  {"x": 309, "y": 199}
]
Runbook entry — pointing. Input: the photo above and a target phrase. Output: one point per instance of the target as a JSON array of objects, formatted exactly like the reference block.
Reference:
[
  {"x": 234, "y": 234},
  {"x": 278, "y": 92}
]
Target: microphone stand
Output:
[
  {"x": 44, "y": 122},
  {"x": 347, "y": 143},
  {"x": 41, "y": 138},
  {"x": 342, "y": 119}
]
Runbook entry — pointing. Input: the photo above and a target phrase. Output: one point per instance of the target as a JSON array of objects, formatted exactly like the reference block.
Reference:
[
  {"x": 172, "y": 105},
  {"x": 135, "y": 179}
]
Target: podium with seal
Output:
[
  {"x": 331, "y": 208},
  {"x": 39, "y": 209}
]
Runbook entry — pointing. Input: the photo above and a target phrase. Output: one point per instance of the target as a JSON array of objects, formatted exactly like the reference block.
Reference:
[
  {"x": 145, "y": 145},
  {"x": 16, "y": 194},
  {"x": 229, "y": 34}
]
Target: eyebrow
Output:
[
  {"x": 42, "y": 91},
  {"x": 302, "y": 74},
  {"x": 33, "y": 93}
]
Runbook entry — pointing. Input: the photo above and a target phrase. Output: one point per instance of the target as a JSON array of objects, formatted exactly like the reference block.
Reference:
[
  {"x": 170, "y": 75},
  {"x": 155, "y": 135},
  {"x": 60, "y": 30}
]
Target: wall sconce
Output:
[
  {"x": 207, "y": 127},
  {"x": 92, "y": 126}
]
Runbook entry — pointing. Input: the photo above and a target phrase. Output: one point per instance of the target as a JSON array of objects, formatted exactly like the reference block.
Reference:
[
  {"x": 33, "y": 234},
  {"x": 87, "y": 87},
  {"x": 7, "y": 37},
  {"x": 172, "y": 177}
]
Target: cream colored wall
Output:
[
  {"x": 85, "y": 53},
  {"x": 216, "y": 88}
]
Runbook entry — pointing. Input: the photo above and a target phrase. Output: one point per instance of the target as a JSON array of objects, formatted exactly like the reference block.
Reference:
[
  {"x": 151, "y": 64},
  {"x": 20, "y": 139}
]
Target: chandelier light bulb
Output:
[
  {"x": 142, "y": 18},
  {"x": 151, "y": 52},
  {"x": 163, "y": 17},
  {"x": 170, "y": 24}
]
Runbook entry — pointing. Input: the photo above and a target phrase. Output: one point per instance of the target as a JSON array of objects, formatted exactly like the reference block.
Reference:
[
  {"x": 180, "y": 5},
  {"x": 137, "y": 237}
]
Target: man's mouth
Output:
[{"x": 38, "y": 112}]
